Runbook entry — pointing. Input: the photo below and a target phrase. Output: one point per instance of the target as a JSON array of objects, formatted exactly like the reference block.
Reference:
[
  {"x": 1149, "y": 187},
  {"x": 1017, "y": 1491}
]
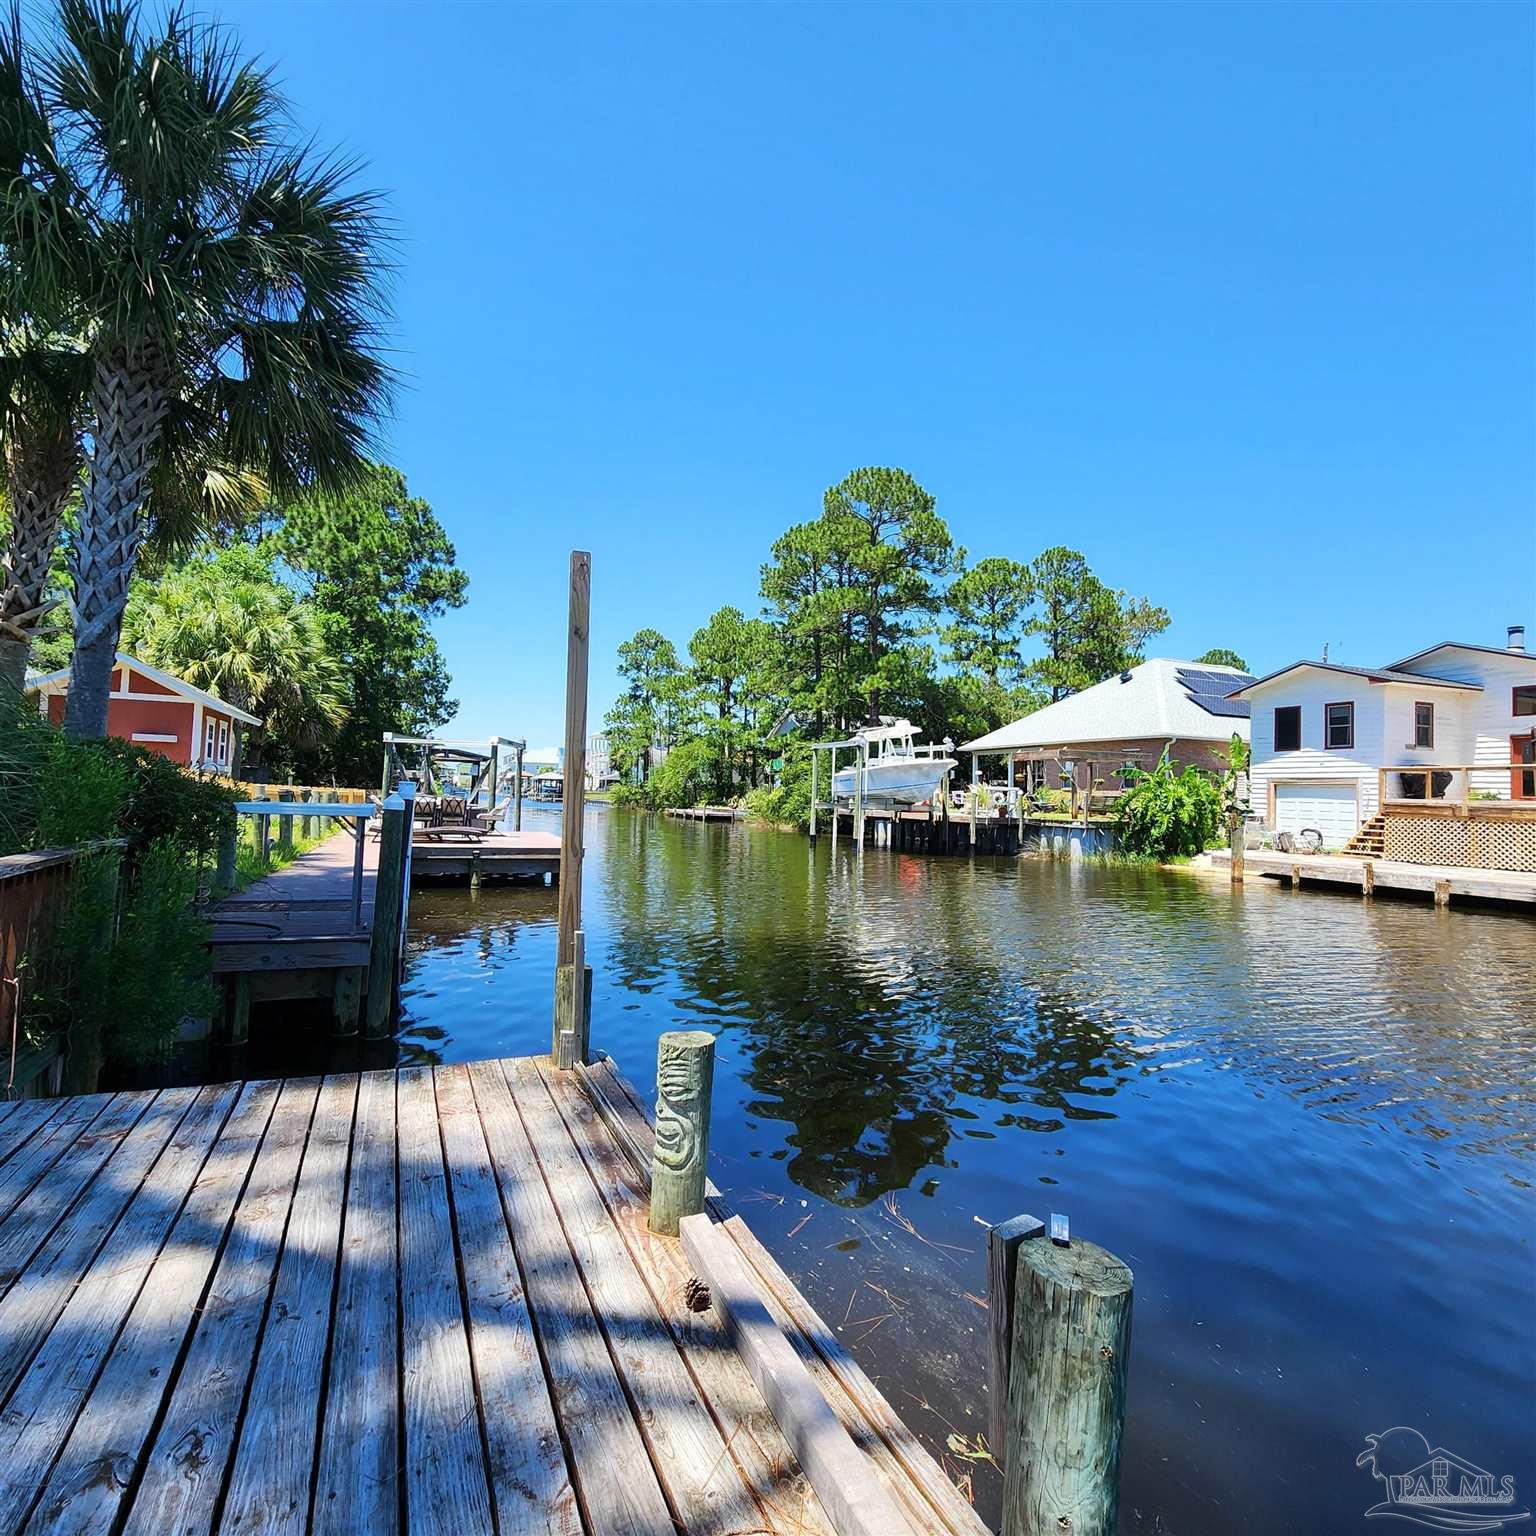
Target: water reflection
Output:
[{"x": 1306, "y": 1121}]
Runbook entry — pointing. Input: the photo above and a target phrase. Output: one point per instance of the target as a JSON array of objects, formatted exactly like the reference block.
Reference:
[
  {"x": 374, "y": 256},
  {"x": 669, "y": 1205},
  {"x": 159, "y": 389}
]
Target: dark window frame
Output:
[
  {"x": 1514, "y": 700},
  {"x": 1428, "y": 704},
  {"x": 1329, "y": 745},
  {"x": 1288, "y": 709}
]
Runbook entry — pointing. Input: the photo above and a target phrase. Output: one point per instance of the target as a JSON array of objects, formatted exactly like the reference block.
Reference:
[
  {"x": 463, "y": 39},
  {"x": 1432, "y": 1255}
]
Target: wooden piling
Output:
[
  {"x": 1235, "y": 843},
  {"x": 517, "y": 792},
  {"x": 234, "y": 1025},
  {"x": 1066, "y": 1390},
  {"x": 229, "y": 850},
  {"x": 685, "y": 1072},
  {"x": 285, "y": 833},
  {"x": 346, "y": 999},
  {"x": 574, "y": 798},
  {"x": 813, "y": 794},
  {"x": 1442, "y": 893},
  {"x": 572, "y": 992},
  {"x": 388, "y": 914},
  {"x": 1368, "y": 879},
  {"x": 1002, "y": 1252}
]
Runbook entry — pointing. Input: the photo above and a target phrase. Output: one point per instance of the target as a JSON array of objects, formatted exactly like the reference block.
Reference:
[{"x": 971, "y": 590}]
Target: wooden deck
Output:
[
  {"x": 496, "y": 856},
  {"x": 421, "y": 1302},
  {"x": 1441, "y": 882},
  {"x": 300, "y": 915}
]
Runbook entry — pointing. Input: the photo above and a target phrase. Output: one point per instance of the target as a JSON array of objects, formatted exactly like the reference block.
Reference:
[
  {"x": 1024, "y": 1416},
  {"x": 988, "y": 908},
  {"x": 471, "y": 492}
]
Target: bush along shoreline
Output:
[{"x": 121, "y": 960}]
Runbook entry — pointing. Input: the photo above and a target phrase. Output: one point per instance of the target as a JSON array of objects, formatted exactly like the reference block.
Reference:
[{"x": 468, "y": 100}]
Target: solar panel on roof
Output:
[
  {"x": 1197, "y": 680},
  {"x": 1237, "y": 709}
]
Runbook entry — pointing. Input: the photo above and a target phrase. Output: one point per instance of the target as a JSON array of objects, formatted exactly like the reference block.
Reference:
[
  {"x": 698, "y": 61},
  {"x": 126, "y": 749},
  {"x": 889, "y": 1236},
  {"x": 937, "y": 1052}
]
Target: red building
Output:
[{"x": 159, "y": 711}]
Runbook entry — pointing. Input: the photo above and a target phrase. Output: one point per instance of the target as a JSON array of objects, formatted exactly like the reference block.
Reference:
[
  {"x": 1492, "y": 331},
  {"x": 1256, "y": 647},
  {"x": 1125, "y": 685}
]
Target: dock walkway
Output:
[
  {"x": 394, "y": 1302},
  {"x": 1442, "y": 882}
]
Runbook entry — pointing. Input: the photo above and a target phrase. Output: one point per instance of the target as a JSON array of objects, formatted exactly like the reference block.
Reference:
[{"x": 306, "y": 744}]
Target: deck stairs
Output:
[{"x": 1370, "y": 841}]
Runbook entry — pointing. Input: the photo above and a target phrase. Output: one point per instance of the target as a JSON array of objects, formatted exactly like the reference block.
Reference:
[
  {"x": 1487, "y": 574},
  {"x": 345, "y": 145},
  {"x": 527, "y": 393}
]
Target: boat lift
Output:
[{"x": 424, "y": 760}]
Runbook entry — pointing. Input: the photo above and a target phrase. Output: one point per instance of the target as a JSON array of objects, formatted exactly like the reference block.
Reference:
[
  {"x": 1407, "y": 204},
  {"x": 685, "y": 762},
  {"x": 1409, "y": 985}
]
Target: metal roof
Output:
[{"x": 1161, "y": 698}]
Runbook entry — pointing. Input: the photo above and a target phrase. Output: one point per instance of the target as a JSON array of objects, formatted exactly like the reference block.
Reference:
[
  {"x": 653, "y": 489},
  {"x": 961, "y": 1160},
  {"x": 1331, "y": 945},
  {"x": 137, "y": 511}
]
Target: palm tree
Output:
[
  {"x": 225, "y": 623},
  {"x": 227, "y": 284}
]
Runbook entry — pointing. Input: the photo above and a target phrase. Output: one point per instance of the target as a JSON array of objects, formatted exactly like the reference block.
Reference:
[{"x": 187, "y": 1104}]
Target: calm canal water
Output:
[{"x": 1305, "y": 1121}]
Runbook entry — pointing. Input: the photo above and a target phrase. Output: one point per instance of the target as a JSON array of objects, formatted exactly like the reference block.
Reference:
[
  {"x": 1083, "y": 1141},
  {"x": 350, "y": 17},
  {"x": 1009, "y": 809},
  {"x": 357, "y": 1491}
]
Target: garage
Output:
[{"x": 1333, "y": 809}]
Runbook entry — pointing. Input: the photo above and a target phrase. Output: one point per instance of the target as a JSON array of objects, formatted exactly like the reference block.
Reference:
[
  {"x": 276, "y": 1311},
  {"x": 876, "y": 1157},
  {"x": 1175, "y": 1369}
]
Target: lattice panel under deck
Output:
[{"x": 1477, "y": 843}]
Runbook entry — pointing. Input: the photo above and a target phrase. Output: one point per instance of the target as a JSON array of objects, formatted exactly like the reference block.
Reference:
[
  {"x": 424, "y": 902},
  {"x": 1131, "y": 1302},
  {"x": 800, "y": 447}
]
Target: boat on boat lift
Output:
[{"x": 896, "y": 769}]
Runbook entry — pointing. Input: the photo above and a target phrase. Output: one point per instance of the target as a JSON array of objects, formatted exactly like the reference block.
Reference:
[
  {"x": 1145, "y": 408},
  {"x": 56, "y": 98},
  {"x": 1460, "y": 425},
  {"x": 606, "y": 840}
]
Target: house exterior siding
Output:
[
  {"x": 1313, "y": 762},
  {"x": 1488, "y": 719},
  {"x": 144, "y": 711}
]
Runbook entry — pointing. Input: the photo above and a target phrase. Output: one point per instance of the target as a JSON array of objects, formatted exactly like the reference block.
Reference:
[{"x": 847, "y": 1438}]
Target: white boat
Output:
[{"x": 895, "y": 769}]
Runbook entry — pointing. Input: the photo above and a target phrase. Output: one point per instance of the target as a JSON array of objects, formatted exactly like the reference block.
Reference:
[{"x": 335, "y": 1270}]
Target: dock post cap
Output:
[{"x": 395, "y": 802}]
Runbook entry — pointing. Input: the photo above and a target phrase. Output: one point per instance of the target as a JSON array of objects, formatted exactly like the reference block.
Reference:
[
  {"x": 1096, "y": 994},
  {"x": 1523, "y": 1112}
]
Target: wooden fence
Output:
[{"x": 33, "y": 890}]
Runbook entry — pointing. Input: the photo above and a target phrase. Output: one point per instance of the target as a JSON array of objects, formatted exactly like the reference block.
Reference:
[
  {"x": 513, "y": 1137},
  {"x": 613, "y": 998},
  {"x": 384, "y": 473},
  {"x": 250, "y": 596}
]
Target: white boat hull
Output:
[{"x": 898, "y": 780}]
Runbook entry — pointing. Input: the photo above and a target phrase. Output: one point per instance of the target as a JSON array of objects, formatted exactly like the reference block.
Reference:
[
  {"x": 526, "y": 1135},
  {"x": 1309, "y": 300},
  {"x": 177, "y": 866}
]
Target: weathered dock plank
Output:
[
  {"x": 529, "y": 1481},
  {"x": 40, "y": 1292},
  {"x": 43, "y": 1148},
  {"x": 357, "y": 1485},
  {"x": 87, "y": 1486},
  {"x": 41, "y": 1411},
  {"x": 425, "y": 1300},
  {"x": 273, "y": 1470},
  {"x": 184, "y": 1470},
  {"x": 615, "y": 1481},
  {"x": 757, "y": 1445},
  {"x": 23, "y": 1117},
  {"x": 446, "y": 1491},
  {"x": 687, "y": 1449}
]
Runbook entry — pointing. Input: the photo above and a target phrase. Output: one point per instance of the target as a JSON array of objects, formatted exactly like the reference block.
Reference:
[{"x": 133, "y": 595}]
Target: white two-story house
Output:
[{"x": 1330, "y": 743}]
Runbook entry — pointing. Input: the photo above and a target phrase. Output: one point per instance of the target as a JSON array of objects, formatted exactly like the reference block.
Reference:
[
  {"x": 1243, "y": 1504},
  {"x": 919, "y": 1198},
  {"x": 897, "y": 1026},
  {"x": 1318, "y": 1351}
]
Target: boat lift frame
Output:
[{"x": 433, "y": 753}]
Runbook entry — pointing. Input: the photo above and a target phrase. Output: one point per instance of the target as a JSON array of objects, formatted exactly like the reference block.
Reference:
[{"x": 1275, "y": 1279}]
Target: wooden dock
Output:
[
  {"x": 496, "y": 856},
  {"x": 292, "y": 935},
  {"x": 1443, "y": 883},
  {"x": 397, "y": 1302},
  {"x": 705, "y": 813}
]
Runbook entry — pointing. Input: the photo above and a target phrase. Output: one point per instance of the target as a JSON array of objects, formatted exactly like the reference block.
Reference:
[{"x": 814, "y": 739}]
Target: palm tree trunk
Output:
[
  {"x": 128, "y": 402},
  {"x": 41, "y": 470}
]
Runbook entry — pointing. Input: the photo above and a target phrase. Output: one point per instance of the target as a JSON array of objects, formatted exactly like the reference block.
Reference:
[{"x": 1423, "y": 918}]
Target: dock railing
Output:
[{"x": 35, "y": 889}]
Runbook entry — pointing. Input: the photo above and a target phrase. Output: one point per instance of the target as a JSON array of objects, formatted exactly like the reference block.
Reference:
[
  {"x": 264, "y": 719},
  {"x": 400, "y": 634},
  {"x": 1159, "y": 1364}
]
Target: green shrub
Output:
[
  {"x": 789, "y": 801},
  {"x": 1167, "y": 813}
]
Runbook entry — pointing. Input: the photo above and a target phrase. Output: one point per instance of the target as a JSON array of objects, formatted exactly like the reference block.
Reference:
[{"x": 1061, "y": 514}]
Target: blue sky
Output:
[{"x": 1236, "y": 298}]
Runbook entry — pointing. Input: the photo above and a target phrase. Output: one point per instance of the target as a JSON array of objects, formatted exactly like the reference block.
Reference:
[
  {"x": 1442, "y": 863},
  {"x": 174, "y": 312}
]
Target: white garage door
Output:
[{"x": 1330, "y": 808}]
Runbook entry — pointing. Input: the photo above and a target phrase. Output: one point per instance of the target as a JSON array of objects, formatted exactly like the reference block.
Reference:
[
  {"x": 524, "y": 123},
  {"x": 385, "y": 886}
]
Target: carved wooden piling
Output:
[
  {"x": 1066, "y": 1390},
  {"x": 388, "y": 913},
  {"x": 685, "y": 1074}
]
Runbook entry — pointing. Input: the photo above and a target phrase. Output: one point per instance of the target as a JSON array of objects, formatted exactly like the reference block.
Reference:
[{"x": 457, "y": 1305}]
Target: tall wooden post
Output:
[
  {"x": 813, "y": 794},
  {"x": 832, "y": 792},
  {"x": 1066, "y": 1390},
  {"x": 229, "y": 851},
  {"x": 517, "y": 793},
  {"x": 1235, "y": 842},
  {"x": 384, "y": 938},
  {"x": 568, "y": 978},
  {"x": 685, "y": 1074},
  {"x": 858, "y": 795}
]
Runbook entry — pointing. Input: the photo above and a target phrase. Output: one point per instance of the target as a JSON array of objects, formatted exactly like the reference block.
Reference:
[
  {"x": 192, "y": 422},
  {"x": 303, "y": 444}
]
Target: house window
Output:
[
  {"x": 223, "y": 741},
  {"x": 1339, "y": 726},
  {"x": 1524, "y": 701},
  {"x": 210, "y": 740},
  {"x": 1423, "y": 725},
  {"x": 1288, "y": 729}
]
